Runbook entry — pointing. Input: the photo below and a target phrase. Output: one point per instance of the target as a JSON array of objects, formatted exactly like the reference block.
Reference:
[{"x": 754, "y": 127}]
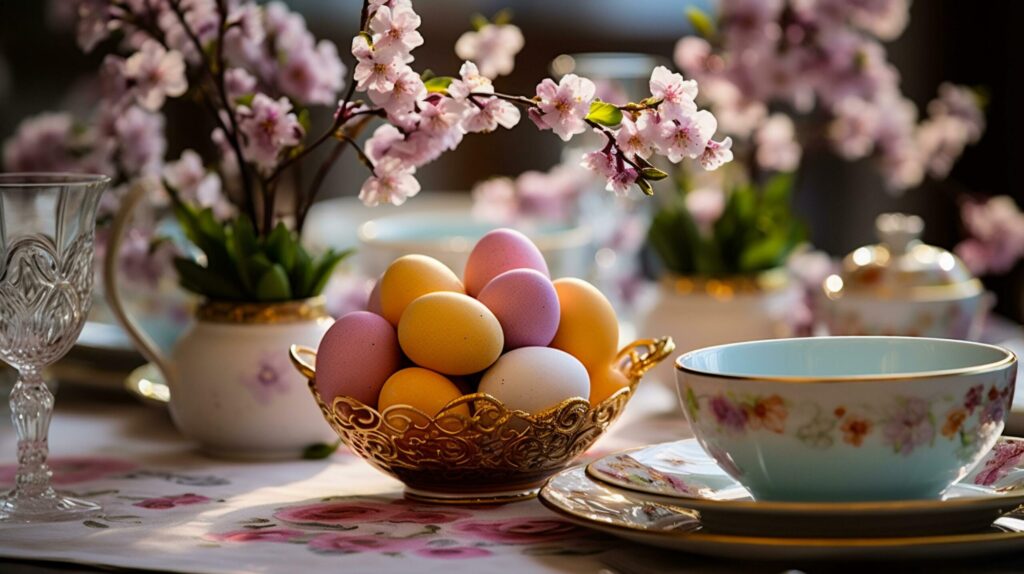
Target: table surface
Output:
[{"x": 187, "y": 512}]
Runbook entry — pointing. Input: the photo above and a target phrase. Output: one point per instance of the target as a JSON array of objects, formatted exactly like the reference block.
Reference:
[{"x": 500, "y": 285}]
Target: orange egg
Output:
[
  {"x": 587, "y": 327},
  {"x": 421, "y": 389},
  {"x": 604, "y": 382},
  {"x": 450, "y": 333},
  {"x": 410, "y": 277}
]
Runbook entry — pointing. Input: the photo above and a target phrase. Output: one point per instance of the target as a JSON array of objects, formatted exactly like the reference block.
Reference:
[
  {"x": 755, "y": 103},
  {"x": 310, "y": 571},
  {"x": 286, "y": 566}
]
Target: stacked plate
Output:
[{"x": 675, "y": 496}]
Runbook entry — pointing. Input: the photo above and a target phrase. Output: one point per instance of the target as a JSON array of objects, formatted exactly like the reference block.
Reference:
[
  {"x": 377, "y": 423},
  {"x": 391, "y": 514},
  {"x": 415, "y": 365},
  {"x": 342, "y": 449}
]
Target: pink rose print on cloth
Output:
[
  {"x": 428, "y": 516},
  {"x": 353, "y": 543},
  {"x": 338, "y": 513},
  {"x": 165, "y": 502},
  {"x": 271, "y": 375},
  {"x": 263, "y": 535},
  {"x": 520, "y": 530},
  {"x": 75, "y": 469},
  {"x": 1004, "y": 458}
]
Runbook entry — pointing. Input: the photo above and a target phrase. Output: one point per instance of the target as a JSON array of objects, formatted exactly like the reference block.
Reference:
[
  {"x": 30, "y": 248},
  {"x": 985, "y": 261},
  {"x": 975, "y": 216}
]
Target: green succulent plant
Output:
[
  {"x": 757, "y": 231},
  {"x": 239, "y": 265}
]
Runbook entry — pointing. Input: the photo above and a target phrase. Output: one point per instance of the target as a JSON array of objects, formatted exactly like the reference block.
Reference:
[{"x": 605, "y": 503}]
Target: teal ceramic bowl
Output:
[{"x": 847, "y": 418}]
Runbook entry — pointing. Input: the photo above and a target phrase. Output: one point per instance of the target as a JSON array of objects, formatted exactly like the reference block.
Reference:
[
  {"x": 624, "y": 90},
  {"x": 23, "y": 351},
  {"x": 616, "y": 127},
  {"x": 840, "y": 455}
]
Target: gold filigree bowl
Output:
[{"x": 494, "y": 455}]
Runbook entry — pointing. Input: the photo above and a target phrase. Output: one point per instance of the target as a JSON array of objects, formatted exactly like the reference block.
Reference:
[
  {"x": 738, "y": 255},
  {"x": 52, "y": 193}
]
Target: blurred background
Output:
[{"x": 977, "y": 45}]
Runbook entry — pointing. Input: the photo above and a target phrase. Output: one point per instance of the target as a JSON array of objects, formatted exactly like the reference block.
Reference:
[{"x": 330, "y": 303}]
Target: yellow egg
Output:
[
  {"x": 410, "y": 277},
  {"x": 604, "y": 382},
  {"x": 422, "y": 389},
  {"x": 450, "y": 333},
  {"x": 587, "y": 327}
]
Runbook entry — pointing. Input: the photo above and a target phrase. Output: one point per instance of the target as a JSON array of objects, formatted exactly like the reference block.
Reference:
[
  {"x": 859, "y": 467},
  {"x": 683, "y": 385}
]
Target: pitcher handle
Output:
[{"x": 136, "y": 193}]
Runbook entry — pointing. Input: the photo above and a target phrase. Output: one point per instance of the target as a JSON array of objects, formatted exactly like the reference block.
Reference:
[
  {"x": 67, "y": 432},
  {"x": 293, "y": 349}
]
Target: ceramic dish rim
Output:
[
  {"x": 728, "y": 539},
  {"x": 1009, "y": 359},
  {"x": 801, "y": 508}
]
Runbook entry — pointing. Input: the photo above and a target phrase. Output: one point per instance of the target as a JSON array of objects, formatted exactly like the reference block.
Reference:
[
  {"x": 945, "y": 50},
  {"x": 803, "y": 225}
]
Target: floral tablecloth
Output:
[{"x": 170, "y": 508}]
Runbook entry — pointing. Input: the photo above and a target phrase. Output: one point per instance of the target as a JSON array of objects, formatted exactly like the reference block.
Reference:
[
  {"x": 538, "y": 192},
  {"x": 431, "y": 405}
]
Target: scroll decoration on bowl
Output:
[{"x": 495, "y": 450}]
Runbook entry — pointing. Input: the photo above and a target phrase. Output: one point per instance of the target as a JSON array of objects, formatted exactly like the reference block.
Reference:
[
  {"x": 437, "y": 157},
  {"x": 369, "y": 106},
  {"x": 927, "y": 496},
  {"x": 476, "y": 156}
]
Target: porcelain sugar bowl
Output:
[{"x": 902, "y": 286}]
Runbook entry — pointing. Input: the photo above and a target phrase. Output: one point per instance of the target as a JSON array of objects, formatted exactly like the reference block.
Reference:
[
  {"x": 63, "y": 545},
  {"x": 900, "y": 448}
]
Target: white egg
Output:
[{"x": 533, "y": 379}]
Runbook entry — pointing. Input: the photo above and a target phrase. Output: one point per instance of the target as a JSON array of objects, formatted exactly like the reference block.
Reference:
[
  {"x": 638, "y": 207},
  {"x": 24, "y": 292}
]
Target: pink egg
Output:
[
  {"x": 499, "y": 251},
  {"x": 526, "y": 304},
  {"x": 356, "y": 357}
]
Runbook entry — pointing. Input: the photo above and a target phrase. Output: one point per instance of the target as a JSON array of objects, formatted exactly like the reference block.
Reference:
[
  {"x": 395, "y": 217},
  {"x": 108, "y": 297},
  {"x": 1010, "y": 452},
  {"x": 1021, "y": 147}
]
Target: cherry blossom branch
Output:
[{"x": 324, "y": 170}]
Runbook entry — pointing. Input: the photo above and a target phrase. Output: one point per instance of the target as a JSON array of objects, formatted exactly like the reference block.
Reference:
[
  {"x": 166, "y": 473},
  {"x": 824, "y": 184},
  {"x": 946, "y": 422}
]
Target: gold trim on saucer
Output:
[
  {"x": 263, "y": 313},
  {"x": 1009, "y": 358}
]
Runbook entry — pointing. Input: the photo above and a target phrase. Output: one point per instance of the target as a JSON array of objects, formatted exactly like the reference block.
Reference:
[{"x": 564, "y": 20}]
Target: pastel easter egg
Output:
[
  {"x": 450, "y": 333},
  {"x": 526, "y": 305},
  {"x": 355, "y": 357},
  {"x": 604, "y": 382},
  {"x": 533, "y": 379},
  {"x": 410, "y": 277},
  {"x": 421, "y": 389},
  {"x": 587, "y": 327},
  {"x": 373, "y": 301},
  {"x": 499, "y": 251}
]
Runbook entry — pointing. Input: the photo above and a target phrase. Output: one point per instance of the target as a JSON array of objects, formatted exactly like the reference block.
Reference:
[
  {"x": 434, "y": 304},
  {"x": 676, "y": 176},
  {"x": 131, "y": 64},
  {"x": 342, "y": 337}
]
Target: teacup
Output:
[{"x": 847, "y": 418}]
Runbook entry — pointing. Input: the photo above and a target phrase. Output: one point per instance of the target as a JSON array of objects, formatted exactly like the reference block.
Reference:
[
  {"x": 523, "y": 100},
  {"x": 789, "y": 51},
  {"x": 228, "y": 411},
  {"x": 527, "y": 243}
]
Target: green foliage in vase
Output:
[
  {"x": 757, "y": 231},
  {"x": 242, "y": 266}
]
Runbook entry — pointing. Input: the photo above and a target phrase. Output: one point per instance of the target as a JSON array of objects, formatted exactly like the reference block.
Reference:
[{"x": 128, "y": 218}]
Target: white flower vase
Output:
[{"x": 699, "y": 312}]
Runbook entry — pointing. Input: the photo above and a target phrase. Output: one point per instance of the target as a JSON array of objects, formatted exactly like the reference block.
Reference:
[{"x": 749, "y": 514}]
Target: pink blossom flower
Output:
[
  {"x": 997, "y": 235},
  {"x": 259, "y": 535},
  {"x": 155, "y": 73},
  {"x": 705, "y": 205},
  {"x": 777, "y": 148},
  {"x": 633, "y": 137},
  {"x": 493, "y": 113},
  {"x": 687, "y": 136},
  {"x": 68, "y": 470},
  {"x": 942, "y": 141},
  {"x": 675, "y": 93},
  {"x": 716, "y": 154},
  {"x": 854, "y": 127},
  {"x": 238, "y": 82},
  {"x": 471, "y": 81},
  {"x": 380, "y": 143},
  {"x": 691, "y": 54},
  {"x": 392, "y": 182},
  {"x": 493, "y": 47},
  {"x": 396, "y": 29},
  {"x": 376, "y": 69},
  {"x": 962, "y": 103},
  {"x": 140, "y": 137},
  {"x": 42, "y": 143},
  {"x": 909, "y": 427},
  {"x": 195, "y": 184},
  {"x": 554, "y": 195},
  {"x": 728, "y": 414},
  {"x": 355, "y": 543},
  {"x": 401, "y": 99},
  {"x": 622, "y": 180},
  {"x": 312, "y": 75},
  {"x": 520, "y": 530},
  {"x": 453, "y": 552},
  {"x": 600, "y": 162},
  {"x": 1005, "y": 456},
  {"x": 267, "y": 127},
  {"x": 494, "y": 200},
  {"x": 564, "y": 105},
  {"x": 338, "y": 513},
  {"x": 167, "y": 502},
  {"x": 94, "y": 23}
]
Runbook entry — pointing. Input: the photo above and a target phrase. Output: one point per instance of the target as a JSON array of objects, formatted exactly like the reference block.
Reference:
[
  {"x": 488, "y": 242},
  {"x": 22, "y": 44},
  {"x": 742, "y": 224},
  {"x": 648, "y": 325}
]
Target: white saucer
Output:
[
  {"x": 682, "y": 474},
  {"x": 582, "y": 501}
]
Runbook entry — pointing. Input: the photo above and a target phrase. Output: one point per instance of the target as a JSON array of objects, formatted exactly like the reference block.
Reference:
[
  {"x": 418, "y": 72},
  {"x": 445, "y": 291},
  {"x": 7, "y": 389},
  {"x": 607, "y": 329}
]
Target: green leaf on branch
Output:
[
  {"x": 478, "y": 21},
  {"x": 304, "y": 120},
  {"x": 603, "y": 113},
  {"x": 645, "y": 186},
  {"x": 653, "y": 174},
  {"x": 245, "y": 100},
  {"x": 438, "y": 84},
  {"x": 503, "y": 17},
  {"x": 701, "y": 22}
]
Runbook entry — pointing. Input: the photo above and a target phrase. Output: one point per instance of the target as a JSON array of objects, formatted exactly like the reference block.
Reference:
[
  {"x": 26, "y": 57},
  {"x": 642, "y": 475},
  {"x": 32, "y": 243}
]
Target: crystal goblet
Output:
[{"x": 47, "y": 231}]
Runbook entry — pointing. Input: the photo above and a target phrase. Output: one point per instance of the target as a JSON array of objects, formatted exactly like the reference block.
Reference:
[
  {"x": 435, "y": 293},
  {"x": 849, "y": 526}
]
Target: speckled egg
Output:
[
  {"x": 410, "y": 277},
  {"x": 422, "y": 389},
  {"x": 499, "y": 251},
  {"x": 604, "y": 382},
  {"x": 587, "y": 327},
  {"x": 355, "y": 357},
  {"x": 526, "y": 305},
  {"x": 450, "y": 333},
  {"x": 533, "y": 379}
]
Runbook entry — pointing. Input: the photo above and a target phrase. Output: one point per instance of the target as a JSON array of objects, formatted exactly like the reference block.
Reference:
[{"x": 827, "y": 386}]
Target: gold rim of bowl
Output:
[{"x": 1009, "y": 358}]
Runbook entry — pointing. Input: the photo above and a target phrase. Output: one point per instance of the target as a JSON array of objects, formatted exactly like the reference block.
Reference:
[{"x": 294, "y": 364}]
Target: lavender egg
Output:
[
  {"x": 499, "y": 251},
  {"x": 526, "y": 304},
  {"x": 356, "y": 357}
]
